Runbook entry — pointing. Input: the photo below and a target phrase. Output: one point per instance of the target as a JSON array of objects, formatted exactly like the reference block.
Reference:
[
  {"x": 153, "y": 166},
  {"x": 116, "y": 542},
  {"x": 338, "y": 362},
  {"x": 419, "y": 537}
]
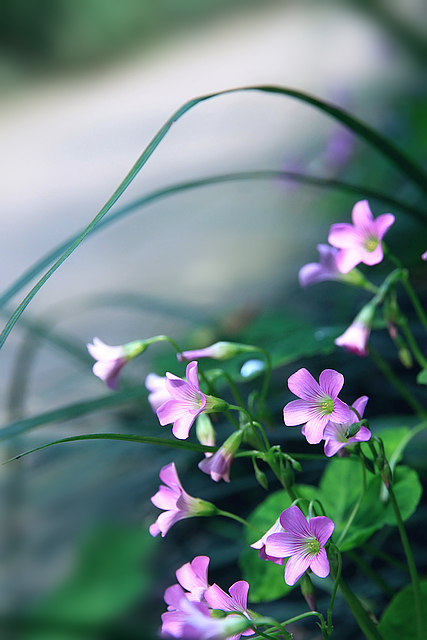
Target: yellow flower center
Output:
[
  {"x": 371, "y": 244},
  {"x": 313, "y": 547}
]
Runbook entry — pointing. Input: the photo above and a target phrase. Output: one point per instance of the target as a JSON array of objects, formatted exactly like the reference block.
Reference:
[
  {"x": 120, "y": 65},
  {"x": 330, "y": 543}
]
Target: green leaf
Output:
[
  {"x": 399, "y": 620},
  {"x": 392, "y": 439},
  {"x": 339, "y": 490},
  {"x": 409, "y": 168},
  {"x": 108, "y": 578}
]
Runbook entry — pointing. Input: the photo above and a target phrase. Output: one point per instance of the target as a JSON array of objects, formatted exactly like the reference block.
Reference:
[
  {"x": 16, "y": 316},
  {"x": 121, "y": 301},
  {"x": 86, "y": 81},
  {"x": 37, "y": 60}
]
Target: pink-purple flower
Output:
[
  {"x": 260, "y": 544},
  {"x": 192, "y": 620},
  {"x": 325, "y": 269},
  {"x": 362, "y": 240},
  {"x": 237, "y": 601},
  {"x": 109, "y": 362},
  {"x": 186, "y": 402},
  {"x": 217, "y": 351},
  {"x": 218, "y": 466},
  {"x": 337, "y": 436},
  {"x": 193, "y": 576},
  {"x": 302, "y": 542},
  {"x": 318, "y": 403},
  {"x": 176, "y": 502},
  {"x": 156, "y": 385},
  {"x": 355, "y": 339},
  {"x": 424, "y": 256}
]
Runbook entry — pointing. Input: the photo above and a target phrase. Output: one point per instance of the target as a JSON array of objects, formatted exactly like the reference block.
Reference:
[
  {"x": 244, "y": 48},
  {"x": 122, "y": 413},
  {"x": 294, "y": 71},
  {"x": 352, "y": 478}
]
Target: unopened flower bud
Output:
[
  {"x": 308, "y": 591},
  {"x": 217, "y": 351},
  {"x": 260, "y": 475},
  {"x": 205, "y": 432},
  {"x": 405, "y": 357}
]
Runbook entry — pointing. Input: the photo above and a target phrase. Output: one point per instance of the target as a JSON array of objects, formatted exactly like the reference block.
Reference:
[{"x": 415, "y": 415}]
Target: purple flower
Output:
[
  {"x": 192, "y": 620},
  {"x": 424, "y": 256},
  {"x": 110, "y": 361},
  {"x": 186, "y": 402},
  {"x": 194, "y": 578},
  {"x": 260, "y": 544},
  {"x": 303, "y": 543},
  {"x": 219, "y": 465},
  {"x": 355, "y": 339},
  {"x": 237, "y": 600},
  {"x": 176, "y": 502},
  {"x": 217, "y": 351},
  {"x": 318, "y": 403},
  {"x": 360, "y": 241},
  {"x": 336, "y": 435},
  {"x": 158, "y": 392},
  {"x": 325, "y": 269}
]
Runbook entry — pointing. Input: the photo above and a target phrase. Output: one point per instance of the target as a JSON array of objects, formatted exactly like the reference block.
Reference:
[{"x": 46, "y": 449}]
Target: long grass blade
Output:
[{"x": 406, "y": 166}]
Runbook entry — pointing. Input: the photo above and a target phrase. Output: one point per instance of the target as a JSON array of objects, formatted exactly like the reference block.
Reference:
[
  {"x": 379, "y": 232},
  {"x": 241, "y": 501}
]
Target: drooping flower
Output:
[
  {"x": 237, "y": 600},
  {"x": 176, "y": 502},
  {"x": 302, "y": 542},
  {"x": 217, "y": 351},
  {"x": 186, "y": 402},
  {"x": 260, "y": 544},
  {"x": 218, "y": 466},
  {"x": 193, "y": 576},
  {"x": 355, "y": 339},
  {"x": 360, "y": 241},
  {"x": 192, "y": 620},
  {"x": 111, "y": 360},
  {"x": 325, "y": 269},
  {"x": 337, "y": 435},
  {"x": 158, "y": 392},
  {"x": 318, "y": 403}
]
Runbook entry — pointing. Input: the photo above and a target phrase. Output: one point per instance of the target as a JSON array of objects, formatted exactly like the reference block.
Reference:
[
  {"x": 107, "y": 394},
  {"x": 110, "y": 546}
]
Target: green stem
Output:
[
  {"x": 363, "y": 620},
  {"x": 227, "y": 514},
  {"x": 411, "y": 566},
  {"x": 267, "y": 375},
  {"x": 387, "y": 371},
  {"x": 403, "y": 323},
  {"x": 414, "y": 299},
  {"x": 334, "y": 591},
  {"x": 163, "y": 338}
]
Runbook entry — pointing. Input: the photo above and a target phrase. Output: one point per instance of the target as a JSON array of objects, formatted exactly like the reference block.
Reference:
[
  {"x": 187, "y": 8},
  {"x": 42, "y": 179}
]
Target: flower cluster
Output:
[{"x": 191, "y": 602}]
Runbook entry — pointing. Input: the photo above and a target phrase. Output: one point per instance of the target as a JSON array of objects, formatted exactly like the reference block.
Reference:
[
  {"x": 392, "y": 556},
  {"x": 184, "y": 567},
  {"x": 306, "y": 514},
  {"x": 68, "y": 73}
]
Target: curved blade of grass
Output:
[
  {"x": 163, "y": 442},
  {"x": 407, "y": 167},
  {"x": 358, "y": 190}
]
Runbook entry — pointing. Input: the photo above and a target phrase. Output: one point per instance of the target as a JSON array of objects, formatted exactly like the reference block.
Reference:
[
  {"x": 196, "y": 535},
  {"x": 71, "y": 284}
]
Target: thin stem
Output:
[
  {"x": 403, "y": 323},
  {"x": 227, "y": 514},
  {"x": 163, "y": 338},
  {"x": 387, "y": 371},
  {"x": 411, "y": 566},
  {"x": 234, "y": 389},
  {"x": 414, "y": 299},
  {"x": 334, "y": 591},
  {"x": 363, "y": 620},
  {"x": 267, "y": 375},
  {"x": 302, "y": 616}
]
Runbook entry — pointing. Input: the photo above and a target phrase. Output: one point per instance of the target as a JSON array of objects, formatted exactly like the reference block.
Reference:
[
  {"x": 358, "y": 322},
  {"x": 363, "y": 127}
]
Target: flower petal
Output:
[
  {"x": 303, "y": 385},
  {"x": 361, "y": 215},
  {"x": 343, "y": 235},
  {"x": 297, "y": 411},
  {"x": 383, "y": 224},
  {"x": 341, "y": 413},
  {"x": 192, "y": 375},
  {"x": 295, "y": 567},
  {"x": 320, "y": 564},
  {"x": 294, "y": 521},
  {"x": 218, "y": 599},
  {"x": 314, "y": 428},
  {"x": 239, "y": 593},
  {"x": 347, "y": 259},
  {"x": 360, "y": 405},
  {"x": 331, "y": 382},
  {"x": 322, "y": 528},
  {"x": 332, "y": 447}
]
